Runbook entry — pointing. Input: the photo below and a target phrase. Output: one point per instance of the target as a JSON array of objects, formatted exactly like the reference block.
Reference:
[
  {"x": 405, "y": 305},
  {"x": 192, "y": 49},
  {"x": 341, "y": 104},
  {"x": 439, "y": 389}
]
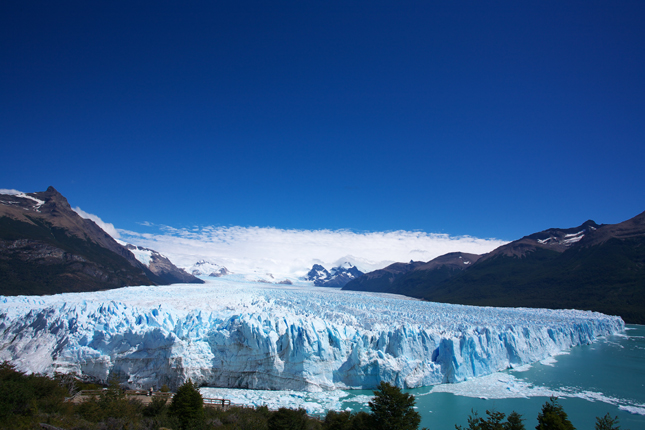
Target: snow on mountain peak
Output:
[
  {"x": 566, "y": 240},
  {"x": 143, "y": 255},
  {"x": 206, "y": 268},
  {"x": 337, "y": 277},
  {"x": 22, "y": 195},
  {"x": 574, "y": 237}
]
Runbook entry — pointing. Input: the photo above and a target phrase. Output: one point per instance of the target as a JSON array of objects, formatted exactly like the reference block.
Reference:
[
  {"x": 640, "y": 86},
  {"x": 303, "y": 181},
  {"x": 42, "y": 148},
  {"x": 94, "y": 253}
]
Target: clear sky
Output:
[{"x": 488, "y": 119}]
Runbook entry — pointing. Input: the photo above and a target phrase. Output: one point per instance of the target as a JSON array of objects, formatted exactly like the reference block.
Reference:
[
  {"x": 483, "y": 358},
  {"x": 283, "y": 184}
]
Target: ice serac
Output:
[{"x": 266, "y": 337}]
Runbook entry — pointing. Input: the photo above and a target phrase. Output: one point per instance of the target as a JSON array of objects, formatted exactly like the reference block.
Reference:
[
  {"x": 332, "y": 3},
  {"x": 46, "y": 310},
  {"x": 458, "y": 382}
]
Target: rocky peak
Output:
[
  {"x": 54, "y": 201},
  {"x": 337, "y": 277},
  {"x": 317, "y": 273}
]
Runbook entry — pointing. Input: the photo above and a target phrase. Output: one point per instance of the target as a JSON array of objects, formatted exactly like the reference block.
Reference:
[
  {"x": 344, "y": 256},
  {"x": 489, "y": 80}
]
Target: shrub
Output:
[
  {"x": 156, "y": 407},
  {"x": 288, "y": 419},
  {"x": 26, "y": 395},
  {"x": 347, "y": 421}
]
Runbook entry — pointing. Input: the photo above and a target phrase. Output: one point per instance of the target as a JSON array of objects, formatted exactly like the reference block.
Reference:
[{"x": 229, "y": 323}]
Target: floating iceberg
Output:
[{"x": 230, "y": 333}]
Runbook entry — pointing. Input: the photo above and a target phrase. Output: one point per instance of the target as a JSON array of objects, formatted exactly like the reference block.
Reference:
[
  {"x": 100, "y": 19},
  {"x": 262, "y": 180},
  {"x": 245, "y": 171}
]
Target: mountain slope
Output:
[
  {"x": 603, "y": 271},
  {"x": 434, "y": 272},
  {"x": 380, "y": 281},
  {"x": 161, "y": 266},
  {"x": 405, "y": 278},
  {"x": 591, "y": 267},
  {"x": 47, "y": 248}
]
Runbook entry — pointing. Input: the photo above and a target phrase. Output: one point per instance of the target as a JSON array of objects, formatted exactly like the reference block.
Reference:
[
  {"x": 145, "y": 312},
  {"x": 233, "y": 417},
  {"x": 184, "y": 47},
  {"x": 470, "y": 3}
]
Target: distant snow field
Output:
[{"x": 234, "y": 334}]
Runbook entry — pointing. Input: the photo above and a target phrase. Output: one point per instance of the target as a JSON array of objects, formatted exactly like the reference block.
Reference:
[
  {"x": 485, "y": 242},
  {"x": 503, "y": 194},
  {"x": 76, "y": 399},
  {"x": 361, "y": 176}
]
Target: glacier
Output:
[{"x": 233, "y": 333}]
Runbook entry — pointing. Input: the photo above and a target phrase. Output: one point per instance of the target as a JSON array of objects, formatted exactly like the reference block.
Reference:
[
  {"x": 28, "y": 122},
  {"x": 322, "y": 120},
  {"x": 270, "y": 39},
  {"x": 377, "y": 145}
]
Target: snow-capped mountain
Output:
[
  {"x": 554, "y": 239},
  {"x": 336, "y": 278},
  {"x": 250, "y": 335},
  {"x": 318, "y": 274},
  {"x": 206, "y": 268},
  {"x": 161, "y": 266}
]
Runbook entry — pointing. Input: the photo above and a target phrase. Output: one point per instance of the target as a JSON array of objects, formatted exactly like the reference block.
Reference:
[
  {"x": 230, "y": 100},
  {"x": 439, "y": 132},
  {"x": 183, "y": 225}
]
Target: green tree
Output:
[
  {"x": 494, "y": 421},
  {"x": 393, "y": 409},
  {"x": 473, "y": 422},
  {"x": 346, "y": 420},
  {"x": 187, "y": 406},
  {"x": 553, "y": 417},
  {"x": 288, "y": 419},
  {"x": 607, "y": 423},
  {"x": 514, "y": 422},
  {"x": 337, "y": 420}
]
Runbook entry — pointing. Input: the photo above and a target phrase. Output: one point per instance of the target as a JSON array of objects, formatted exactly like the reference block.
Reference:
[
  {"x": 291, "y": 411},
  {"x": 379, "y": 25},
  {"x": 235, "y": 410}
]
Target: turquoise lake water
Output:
[
  {"x": 592, "y": 380},
  {"x": 589, "y": 381}
]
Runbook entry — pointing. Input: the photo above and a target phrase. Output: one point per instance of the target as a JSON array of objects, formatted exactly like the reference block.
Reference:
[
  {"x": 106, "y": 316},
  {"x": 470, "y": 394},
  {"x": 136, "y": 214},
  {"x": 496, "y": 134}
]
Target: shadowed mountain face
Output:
[
  {"x": 591, "y": 267},
  {"x": 401, "y": 278},
  {"x": 47, "y": 248}
]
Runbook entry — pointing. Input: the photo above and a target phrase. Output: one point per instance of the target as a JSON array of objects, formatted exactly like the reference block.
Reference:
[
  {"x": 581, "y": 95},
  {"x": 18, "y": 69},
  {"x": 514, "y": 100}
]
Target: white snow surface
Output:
[
  {"x": 20, "y": 194},
  {"x": 143, "y": 255},
  {"x": 231, "y": 333},
  {"x": 573, "y": 238}
]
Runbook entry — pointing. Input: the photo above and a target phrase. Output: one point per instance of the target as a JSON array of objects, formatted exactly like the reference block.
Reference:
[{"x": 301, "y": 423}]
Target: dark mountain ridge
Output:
[
  {"x": 47, "y": 248},
  {"x": 590, "y": 267}
]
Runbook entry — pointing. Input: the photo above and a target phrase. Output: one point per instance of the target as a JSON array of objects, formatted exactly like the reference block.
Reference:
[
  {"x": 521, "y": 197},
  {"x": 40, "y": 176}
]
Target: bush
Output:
[
  {"x": 347, "y": 421},
  {"x": 111, "y": 406},
  {"x": 156, "y": 407},
  {"x": 288, "y": 419},
  {"x": 26, "y": 395}
]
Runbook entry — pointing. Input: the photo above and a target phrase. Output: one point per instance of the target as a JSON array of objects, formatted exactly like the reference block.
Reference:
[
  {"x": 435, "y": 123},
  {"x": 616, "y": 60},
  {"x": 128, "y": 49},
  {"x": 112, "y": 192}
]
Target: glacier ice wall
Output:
[{"x": 227, "y": 333}]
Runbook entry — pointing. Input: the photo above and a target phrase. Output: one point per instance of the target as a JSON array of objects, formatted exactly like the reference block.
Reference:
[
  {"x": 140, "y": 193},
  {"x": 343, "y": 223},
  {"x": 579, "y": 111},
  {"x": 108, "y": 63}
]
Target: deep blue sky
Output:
[{"x": 491, "y": 119}]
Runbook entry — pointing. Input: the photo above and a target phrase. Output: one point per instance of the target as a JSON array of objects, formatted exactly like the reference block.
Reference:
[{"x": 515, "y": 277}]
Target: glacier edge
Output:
[{"x": 228, "y": 333}]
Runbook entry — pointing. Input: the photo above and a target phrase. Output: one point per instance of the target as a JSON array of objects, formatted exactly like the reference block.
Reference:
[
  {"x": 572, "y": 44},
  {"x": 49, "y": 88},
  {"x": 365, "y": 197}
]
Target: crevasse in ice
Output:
[{"x": 227, "y": 333}]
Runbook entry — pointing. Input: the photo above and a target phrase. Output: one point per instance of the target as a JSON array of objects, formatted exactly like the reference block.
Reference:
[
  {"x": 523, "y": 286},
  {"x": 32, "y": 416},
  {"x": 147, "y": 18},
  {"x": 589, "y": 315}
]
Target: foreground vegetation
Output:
[{"x": 38, "y": 402}]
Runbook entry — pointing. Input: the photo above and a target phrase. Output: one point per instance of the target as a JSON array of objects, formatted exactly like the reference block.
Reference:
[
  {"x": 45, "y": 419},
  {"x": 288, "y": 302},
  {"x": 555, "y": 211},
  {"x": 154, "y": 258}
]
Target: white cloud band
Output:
[
  {"x": 291, "y": 253},
  {"x": 106, "y": 226}
]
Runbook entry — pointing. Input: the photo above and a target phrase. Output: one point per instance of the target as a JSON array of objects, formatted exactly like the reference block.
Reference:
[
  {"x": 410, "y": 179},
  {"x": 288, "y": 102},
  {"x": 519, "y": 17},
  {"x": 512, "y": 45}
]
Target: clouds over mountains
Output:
[{"x": 282, "y": 252}]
